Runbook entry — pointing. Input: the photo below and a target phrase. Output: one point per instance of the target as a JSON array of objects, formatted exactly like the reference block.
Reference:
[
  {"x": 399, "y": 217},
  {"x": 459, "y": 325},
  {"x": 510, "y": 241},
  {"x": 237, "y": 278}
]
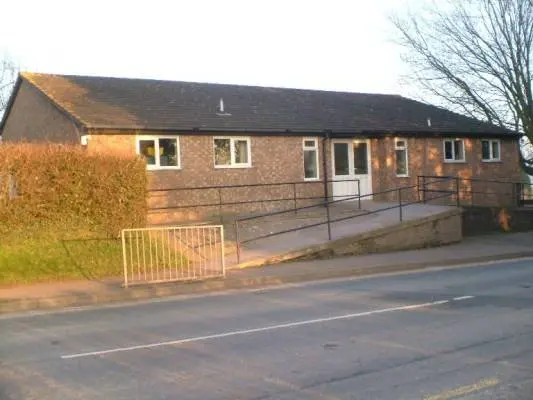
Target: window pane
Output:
[
  {"x": 310, "y": 167},
  {"x": 241, "y": 152},
  {"x": 147, "y": 150},
  {"x": 448, "y": 155},
  {"x": 168, "y": 152},
  {"x": 485, "y": 150},
  {"x": 401, "y": 162},
  {"x": 458, "y": 148},
  {"x": 496, "y": 150},
  {"x": 222, "y": 152},
  {"x": 309, "y": 143},
  {"x": 400, "y": 144},
  {"x": 341, "y": 158},
  {"x": 360, "y": 163}
]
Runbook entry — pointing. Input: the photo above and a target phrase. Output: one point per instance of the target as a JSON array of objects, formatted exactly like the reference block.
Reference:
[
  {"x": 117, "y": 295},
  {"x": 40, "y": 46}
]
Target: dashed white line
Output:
[{"x": 262, "y": 329}]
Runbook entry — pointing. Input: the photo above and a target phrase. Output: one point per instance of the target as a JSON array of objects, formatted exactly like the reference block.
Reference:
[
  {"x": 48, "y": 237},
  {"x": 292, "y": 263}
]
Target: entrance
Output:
[{"x": 351, "y": 160}]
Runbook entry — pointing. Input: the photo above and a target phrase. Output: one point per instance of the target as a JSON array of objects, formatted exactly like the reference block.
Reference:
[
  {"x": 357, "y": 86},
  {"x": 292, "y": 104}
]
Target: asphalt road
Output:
[{"x": 462, "y": 333}]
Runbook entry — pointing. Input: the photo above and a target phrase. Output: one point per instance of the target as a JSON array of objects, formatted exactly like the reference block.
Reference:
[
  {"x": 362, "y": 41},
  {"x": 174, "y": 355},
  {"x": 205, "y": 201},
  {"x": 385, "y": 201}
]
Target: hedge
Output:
[
  {"x": 51, "y": 185},
  {"x": 62, "y": 209}
]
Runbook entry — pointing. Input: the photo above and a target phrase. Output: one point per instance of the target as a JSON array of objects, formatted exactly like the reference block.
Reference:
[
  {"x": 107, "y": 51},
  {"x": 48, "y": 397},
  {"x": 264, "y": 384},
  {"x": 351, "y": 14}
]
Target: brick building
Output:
[{"x": 209, "y": 135}]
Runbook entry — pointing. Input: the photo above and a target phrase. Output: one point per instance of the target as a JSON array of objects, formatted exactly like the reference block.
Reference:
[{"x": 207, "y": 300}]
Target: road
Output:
[{"x": 462, "y": 333}]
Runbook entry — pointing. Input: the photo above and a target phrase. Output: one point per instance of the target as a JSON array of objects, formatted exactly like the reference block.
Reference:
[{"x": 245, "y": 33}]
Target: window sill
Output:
[
  {"x": 455, "y": 161},
  {"x": 232, "y": 166},
  {"x": 491, "y": 161},
  {"x": 402, "y": 176},
  {"x": 155, "y": 168},
  {"x": 311, "y": 179}
]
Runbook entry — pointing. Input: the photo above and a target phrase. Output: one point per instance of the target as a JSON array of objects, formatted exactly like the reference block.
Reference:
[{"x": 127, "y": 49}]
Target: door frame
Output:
[{"x": 352, "y": 175}]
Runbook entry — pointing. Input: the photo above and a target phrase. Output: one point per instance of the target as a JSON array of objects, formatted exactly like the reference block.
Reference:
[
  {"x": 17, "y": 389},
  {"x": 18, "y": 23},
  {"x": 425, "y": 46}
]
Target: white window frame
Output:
[
  {"x": 454, "y": 160},
  {"x": 156, "y": 138},
  {"x": 315, "y": 148},
  {"x": 405, "y": 148},
  {"x": 491, "y": 155},
  {"x": 232, "y": 140}
]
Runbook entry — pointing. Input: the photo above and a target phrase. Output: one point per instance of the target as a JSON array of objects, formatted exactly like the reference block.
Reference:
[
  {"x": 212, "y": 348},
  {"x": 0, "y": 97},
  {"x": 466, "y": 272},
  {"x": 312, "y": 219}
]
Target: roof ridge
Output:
[
  {"x": 212, "y": 83},
  {"x": 28, "y": 76}
]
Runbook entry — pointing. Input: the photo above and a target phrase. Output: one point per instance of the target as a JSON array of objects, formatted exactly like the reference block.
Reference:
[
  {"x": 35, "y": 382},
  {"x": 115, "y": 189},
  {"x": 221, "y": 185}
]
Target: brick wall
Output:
[
  {"x": 273, "y": 159},
  {"x": 426, "y": 157},
  {"x": 111, "y": 143},
  {"x": 34, "y": 118},
  {"x": 280, "y": 159}
]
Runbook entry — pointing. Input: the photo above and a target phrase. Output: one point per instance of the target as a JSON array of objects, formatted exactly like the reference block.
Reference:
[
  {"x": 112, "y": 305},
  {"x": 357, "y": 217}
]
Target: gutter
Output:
[{"x": 310, "y": 132}]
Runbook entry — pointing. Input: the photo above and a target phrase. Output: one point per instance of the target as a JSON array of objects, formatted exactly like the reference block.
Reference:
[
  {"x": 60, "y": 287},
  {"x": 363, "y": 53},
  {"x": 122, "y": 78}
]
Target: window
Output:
[
  {"x": 402, "y": 165},
  {"x": 490, "y": 150},
  {"x": 310, "y": 159},
  {"x": 360, "y": 158},
  {"x": 160, "y": 152},
  {"x": 454, "y": 150},
  {"x": 232, "y": 152},
  {"x": 342, "y": 164}
]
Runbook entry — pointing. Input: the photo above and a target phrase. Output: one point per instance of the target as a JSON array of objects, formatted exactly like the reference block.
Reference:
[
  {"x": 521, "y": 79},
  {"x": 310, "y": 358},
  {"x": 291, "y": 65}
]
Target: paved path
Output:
[
  {"x": 371, "y": 216},
  {"x": 77, "y": 293},
  {"x": 450, "y": 334}
]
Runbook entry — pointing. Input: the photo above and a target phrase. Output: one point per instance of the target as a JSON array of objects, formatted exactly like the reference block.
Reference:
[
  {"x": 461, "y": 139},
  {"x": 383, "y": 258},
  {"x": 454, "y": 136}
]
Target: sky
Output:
[{"x": 345, "y": 45}]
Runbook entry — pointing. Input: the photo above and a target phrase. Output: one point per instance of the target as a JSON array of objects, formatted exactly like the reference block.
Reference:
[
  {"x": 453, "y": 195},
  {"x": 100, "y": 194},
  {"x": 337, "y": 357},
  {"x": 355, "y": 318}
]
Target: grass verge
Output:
[{"x": 39, "y": 259}]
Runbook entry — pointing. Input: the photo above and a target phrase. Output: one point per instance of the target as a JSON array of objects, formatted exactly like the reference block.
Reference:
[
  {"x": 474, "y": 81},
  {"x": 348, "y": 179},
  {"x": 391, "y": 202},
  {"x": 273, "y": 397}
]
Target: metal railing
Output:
[
  {"x": 503, "y": 192},
  {"x": 153, "y": 255},
  {"x": 220, "y": 203},
  {"x": 401, "y": 204}
]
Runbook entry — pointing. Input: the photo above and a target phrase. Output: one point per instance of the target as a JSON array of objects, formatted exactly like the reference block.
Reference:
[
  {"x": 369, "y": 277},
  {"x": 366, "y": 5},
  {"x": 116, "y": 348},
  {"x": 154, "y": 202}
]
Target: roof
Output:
[{"x": 142, "y": 104}]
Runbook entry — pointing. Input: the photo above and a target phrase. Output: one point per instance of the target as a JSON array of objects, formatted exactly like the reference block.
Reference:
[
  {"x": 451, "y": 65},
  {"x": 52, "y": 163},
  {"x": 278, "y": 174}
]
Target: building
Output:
[{"x": 206, "y": 135}]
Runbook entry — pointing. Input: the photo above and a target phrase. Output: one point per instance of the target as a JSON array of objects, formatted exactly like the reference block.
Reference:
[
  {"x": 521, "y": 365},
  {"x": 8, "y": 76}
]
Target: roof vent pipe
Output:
[
  {"x": 220, "y": 110},
  {"x": 429, "y": 122}
]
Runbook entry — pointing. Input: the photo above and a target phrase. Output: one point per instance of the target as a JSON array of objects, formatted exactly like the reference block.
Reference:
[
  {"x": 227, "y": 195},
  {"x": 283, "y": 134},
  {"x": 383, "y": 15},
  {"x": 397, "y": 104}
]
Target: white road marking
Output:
[
  {"x": 463, "y": 298},
  {"x": 256, "y": 330}
]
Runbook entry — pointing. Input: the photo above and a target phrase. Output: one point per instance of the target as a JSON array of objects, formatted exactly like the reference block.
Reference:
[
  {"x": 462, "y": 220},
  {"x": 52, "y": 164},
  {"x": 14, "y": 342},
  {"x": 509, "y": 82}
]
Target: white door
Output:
[{"x": 351, "y": 161}]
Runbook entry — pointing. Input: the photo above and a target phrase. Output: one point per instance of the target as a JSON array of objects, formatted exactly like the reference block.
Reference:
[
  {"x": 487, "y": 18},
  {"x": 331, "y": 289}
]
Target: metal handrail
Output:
[
  {"x": 294, "y": 198},
  {"x": 329, "y": 221},
  {"x": 518, "y": 187},
  {"x": 250, "y": 185},
  {"x": 449, "y": 177}
]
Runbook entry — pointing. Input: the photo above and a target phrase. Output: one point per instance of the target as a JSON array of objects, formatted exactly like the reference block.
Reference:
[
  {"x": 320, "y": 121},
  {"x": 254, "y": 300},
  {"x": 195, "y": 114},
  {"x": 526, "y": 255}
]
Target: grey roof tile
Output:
[{"x": 101, "y": 102}]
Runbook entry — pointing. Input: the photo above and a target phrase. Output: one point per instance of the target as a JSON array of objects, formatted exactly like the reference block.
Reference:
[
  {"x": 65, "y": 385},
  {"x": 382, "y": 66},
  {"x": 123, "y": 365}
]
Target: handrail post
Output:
[
  {"x": 418, "y": 188},
  {"x": 237, "y": 242},
  {"x": 294, "y": 196},
  {"x": 471, "y": 192},
  {"x": 220, "y": 204},
  {"x": 520, "y": 195},
  {"x": 424, "y": 189},
  {"x": 328, "y": 219},
  {"x": 359, "y": 193},
  {"x": 458, "y": 200},
  {"x": 400, "y": 203}
]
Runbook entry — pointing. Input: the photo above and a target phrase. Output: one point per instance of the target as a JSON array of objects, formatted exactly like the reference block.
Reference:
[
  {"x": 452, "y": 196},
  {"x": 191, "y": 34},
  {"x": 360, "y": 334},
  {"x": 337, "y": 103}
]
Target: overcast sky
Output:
[{"x": 327, "y": 44}]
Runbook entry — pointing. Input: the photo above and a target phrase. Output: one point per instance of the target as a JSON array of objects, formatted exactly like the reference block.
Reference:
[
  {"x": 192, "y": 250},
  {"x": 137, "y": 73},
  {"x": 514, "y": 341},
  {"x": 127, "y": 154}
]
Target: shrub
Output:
[{"x": 56, "y": 187}]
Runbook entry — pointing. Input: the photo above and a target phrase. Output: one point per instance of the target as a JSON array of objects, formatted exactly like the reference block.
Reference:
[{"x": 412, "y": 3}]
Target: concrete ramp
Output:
[{"x": 422, "y": 226}]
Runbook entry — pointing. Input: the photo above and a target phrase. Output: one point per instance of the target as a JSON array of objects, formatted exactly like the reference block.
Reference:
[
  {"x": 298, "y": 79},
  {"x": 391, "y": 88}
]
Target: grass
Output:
[
  {"x": 49, "y": 254},
  {"x": 41, "y": 259}
]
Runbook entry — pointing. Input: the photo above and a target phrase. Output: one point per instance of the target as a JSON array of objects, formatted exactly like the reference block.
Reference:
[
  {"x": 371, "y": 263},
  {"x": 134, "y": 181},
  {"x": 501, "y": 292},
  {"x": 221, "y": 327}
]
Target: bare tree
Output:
[
  {"x": 476, "y": 57},
  {"x": 8, "y": 75}
]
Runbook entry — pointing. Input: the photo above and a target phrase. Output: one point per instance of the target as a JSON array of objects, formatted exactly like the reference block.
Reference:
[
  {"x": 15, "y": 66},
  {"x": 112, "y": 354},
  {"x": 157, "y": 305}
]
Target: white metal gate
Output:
[{"x": 172, "y": 254}]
